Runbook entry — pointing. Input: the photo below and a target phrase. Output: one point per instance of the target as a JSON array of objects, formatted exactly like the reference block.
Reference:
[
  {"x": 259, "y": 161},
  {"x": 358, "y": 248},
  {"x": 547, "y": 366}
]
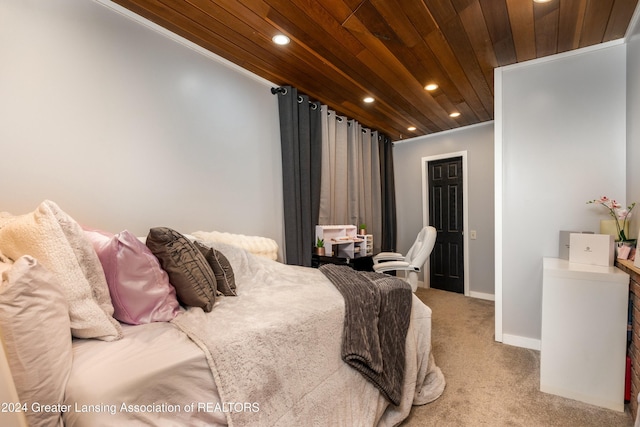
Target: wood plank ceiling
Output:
[{"x": 344, "y": 50}]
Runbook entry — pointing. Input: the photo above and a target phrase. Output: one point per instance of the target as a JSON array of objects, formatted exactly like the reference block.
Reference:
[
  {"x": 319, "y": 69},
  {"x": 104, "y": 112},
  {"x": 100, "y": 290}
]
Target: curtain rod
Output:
[
  {"x": 349, "y": 121},
  {"x": 283, "y": 91}
]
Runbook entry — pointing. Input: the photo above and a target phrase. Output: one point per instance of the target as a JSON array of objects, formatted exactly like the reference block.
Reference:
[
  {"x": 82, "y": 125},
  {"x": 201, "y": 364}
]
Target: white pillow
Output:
[
  {"x": 36, "y": 333},
  {"x": 58, "y": 242},
  {"x": 257, "y": 245}
]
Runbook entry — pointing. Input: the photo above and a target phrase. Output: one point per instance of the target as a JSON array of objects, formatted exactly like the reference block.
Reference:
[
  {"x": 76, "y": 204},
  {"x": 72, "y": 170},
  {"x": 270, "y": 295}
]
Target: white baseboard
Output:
[
  {"x": 472, "y": 294},
  {"x": 524, "y": 342},
  {"x": 482, "y": 295}
]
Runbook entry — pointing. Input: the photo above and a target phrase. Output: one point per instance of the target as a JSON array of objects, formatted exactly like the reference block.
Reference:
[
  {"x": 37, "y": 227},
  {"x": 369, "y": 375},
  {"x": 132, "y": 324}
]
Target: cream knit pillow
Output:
[{"x": 56, "y": 241}]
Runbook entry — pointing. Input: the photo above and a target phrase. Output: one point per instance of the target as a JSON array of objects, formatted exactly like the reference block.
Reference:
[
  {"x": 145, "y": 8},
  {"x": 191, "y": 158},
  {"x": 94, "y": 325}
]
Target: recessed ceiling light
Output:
[
  {"x": 431, "y": 86},
  {"x": 368, "y": 100},
  {"x": 411, "y": 128},
  {"x": 541, "y": 1},
  {"x": 454, "y": 114},
  {"x": 281, "y": 39}
]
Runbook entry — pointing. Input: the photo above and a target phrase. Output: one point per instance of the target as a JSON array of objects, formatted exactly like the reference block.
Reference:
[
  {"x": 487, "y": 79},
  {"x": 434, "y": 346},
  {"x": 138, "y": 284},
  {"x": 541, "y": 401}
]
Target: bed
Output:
[{"x": 270, "y": 355}]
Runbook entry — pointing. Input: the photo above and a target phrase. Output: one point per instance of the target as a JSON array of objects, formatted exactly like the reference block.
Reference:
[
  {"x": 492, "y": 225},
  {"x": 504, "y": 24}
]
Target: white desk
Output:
[{"x": 584, "y": 332}]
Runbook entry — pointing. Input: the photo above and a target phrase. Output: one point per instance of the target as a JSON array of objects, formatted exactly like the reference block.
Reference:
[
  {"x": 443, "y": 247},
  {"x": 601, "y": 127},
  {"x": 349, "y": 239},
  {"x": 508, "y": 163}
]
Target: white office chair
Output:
[{"x": 412, "y": 262}]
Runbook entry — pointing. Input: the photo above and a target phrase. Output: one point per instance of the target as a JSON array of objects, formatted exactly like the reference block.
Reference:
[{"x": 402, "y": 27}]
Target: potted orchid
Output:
[{"x": 618, "y": 213}]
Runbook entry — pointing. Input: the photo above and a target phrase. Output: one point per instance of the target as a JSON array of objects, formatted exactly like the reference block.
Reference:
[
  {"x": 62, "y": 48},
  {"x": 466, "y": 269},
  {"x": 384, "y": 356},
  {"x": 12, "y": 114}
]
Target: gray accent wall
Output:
[
  {"x": 561, "y": 133},
  {"x": 633, "y": 121},
  {"x": 477, "y": 141},
  {"x": 128, "y": 127}
]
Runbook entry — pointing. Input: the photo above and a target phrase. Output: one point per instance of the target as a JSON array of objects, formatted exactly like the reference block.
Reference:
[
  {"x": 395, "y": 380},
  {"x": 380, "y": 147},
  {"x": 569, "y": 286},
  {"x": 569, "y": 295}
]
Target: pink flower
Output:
[
  {"x": 623, "y": 214},
  {"x": 619, "y": 214}
]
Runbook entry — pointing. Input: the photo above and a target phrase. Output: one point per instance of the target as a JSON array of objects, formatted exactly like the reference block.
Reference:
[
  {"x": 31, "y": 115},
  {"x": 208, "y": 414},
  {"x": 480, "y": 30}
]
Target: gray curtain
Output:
[
  {"x": 301, "y": 147},
  {"x": 335, "y": 169},
  {"x": 387, "y": 184},
  {"x": 351, "y": 190}
]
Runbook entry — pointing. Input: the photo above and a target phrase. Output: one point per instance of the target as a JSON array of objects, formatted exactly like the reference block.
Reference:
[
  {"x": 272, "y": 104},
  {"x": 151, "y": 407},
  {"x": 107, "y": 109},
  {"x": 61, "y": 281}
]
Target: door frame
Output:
[{"x": 465, "y": 210}]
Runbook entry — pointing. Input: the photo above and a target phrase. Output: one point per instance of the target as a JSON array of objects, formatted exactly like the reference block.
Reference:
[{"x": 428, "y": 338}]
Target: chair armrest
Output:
[
  {"x": 388, "y": 256},
  {"x": 391, "y": 266}
]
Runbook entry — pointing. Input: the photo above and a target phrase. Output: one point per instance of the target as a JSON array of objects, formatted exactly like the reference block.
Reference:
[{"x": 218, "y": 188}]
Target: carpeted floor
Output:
[{"x": 489, "y": 383}]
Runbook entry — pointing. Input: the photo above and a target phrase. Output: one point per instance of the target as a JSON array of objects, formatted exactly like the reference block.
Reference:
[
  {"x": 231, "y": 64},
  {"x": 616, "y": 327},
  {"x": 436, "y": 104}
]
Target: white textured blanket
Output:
[{"x": 274, "y": 351}]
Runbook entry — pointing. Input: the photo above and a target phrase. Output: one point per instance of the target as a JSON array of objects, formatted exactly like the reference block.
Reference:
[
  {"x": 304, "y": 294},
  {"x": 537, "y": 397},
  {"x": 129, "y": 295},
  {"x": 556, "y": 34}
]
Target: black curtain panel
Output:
[
  {"x": 301, "y": 147},
  {"x": 388, "y": 190}
]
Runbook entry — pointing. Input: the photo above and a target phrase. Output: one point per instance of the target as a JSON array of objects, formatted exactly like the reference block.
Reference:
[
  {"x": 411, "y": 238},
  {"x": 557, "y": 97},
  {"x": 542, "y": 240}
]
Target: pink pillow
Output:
[{"x": 139, "y": 287}]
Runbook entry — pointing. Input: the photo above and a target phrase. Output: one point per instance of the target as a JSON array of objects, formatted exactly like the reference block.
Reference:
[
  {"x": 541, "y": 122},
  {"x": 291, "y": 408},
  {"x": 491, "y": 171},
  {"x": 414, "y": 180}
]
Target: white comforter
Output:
[
  {"x": 269, "y": 357},
  {"x": 152, "y": 377},
  {"x": 274, "y": 351}
]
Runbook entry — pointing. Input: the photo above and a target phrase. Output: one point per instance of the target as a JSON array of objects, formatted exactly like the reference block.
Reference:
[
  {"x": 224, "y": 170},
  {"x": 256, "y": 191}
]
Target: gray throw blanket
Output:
[{"x": 377, "y": 313}]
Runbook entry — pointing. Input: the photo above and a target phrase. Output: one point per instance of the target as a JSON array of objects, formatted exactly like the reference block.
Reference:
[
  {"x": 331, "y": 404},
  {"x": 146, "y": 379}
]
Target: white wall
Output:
[
  {"x": 477, "y": 141},
  {"x": 633, "y": 124},
  {"x": 125, "y": 127},
  {"x": 560, "y": 130}
]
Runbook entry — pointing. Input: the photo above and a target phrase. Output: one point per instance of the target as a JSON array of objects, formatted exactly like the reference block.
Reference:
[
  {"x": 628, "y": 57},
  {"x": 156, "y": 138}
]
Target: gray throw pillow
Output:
[
  {"x": 188, "y": 270},
  {"x": 222, "y": 269}
]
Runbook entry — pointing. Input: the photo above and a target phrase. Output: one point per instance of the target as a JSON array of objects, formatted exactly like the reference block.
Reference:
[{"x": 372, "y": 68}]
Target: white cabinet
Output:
[{"x": 584, "y": 332}]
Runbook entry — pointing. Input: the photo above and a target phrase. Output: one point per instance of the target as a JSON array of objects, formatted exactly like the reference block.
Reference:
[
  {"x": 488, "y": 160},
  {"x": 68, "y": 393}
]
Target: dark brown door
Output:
[{"x": 446, "y": 215}]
